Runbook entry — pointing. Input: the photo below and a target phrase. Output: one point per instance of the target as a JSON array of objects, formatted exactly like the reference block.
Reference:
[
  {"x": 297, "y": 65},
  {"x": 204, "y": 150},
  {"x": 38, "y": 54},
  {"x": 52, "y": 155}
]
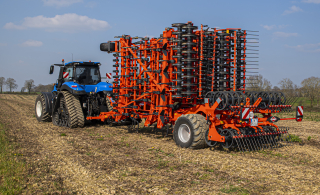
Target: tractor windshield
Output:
[{"x": 87, "y": 75}]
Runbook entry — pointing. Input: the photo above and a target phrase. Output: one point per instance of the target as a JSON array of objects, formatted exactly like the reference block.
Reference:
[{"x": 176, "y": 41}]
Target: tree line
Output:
[
  {"x": 309, "y": 87},
  {"x": 29, "y": 86}
]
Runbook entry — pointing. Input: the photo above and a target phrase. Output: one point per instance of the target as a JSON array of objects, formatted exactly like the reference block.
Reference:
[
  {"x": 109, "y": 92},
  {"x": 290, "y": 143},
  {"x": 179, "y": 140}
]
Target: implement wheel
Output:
[
  {"x": 189, "y": 131},
  {"x": 40, "y": 110}
]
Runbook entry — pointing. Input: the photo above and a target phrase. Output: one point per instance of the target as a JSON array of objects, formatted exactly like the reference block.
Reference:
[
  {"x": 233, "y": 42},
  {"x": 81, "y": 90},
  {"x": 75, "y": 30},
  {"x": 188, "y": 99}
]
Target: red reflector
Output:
[
  {"x": 299, "y": 119},
  {"x": 74, "y": 86}
]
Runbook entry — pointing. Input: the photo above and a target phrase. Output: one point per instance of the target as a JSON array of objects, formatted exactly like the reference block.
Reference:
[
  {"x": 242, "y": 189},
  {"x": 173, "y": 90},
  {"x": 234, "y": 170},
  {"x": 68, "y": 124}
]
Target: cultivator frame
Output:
[{"x": 194, "y": 72}]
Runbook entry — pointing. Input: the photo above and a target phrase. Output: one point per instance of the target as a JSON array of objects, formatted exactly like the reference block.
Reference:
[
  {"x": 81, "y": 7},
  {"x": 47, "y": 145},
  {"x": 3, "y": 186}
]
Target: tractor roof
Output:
[{"x": 82, "y": 63}]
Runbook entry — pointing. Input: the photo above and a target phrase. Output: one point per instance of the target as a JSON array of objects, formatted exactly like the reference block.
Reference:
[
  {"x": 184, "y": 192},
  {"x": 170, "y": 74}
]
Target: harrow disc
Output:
[{"x": 229, "y": 141}]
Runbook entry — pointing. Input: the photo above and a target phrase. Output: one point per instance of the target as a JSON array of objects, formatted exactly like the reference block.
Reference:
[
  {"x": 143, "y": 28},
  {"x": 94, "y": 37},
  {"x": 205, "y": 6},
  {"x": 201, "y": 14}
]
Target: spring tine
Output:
[
  {"x": 248, "y": 144},
  {"x": 265, "y": 141},
  {"x": 275, "y": 138},
  {"x": 269, "y": 141},
  {"x": 254, "y": 140},
  {"x": 249, "y": 141},
  {"x": 272, "y": 141},
  {"x": 262, "y": 141},
  {"x": 258, "y": 142},
  {"x": 243, "y": 143},
  {"x": 237, "y": 142},
  {"x": 252, "y": 144},
  {"x": 240, "y": 145}
]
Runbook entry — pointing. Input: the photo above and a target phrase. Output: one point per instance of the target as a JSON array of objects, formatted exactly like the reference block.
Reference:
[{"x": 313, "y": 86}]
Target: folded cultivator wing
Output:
[{"x": 195, "y": 80}]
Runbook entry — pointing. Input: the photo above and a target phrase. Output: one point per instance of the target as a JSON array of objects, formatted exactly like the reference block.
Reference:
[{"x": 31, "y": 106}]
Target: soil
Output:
[{"x": 99, "y": 159}]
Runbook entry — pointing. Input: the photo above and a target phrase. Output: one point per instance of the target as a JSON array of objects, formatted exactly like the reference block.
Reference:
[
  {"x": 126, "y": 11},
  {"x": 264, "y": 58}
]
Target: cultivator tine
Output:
[
  {"x": 251, "y": 143},
  {"x": 244, "y": 148},
  {"x": 255, "y": 142}
]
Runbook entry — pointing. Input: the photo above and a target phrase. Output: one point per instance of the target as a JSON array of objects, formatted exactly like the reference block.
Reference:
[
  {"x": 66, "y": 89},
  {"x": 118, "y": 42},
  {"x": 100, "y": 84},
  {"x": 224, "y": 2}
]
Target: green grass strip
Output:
[{"x": 11, "y": 170}]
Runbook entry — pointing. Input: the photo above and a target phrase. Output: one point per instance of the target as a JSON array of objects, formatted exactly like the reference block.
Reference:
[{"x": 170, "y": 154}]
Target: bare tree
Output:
[
  {"x": 11, "y": 84},
  {"x": 275, "y": 88},
  {"x": 23, "y": 89},
  {"x": 2, "y": 82},
  {"x": 258, "y": 83},
  {"x": 310, "y": 88},
  {"x": 43, "y": 88},
  {"x": 286, "y": 83},
  {"x": 29, "y": 84}
]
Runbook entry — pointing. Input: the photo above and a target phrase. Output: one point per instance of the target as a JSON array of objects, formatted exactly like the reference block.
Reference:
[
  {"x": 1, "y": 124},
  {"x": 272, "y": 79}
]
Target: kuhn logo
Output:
[{"x": 273, "y": 119}]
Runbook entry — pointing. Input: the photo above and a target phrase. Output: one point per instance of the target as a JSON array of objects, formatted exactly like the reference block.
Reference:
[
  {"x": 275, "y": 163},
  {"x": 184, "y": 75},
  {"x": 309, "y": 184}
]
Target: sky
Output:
[{"x": 38, "y": 33}]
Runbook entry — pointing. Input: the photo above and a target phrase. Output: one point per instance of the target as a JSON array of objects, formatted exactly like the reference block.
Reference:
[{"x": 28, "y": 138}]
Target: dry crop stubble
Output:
[{"x": 105, "y": 159}]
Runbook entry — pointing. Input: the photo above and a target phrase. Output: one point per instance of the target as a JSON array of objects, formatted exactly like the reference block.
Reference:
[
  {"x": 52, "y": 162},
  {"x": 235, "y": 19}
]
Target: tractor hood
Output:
[{"x": 102, "y": 86}]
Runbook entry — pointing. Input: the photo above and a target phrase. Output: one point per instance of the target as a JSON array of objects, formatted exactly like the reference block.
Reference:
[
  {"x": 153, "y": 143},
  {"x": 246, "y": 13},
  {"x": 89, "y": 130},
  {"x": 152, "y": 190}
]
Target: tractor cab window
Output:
[
  {"x": 68, "y": 74},
  {"x": 87, "y": 75}
]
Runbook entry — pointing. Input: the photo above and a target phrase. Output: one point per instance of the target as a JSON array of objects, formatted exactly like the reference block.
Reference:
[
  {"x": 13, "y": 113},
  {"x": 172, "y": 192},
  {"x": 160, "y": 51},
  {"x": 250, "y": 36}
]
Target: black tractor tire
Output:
[
  {"x": 108, "y": 103},
  {"x": 40, "y": 110},
  {"x": 73, "y": 116},
  {"x": 79, "y": 111},
  {"x": 189, "y": 131}
]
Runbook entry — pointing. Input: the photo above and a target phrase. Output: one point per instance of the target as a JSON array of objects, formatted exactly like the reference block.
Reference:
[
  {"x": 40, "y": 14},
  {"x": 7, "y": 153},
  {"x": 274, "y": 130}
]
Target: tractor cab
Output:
[
  {"x": 80, "y": 72},
  {"x": 84, "y": 73}
]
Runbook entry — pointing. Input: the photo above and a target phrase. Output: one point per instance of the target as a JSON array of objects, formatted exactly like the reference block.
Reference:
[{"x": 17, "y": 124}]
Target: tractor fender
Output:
[
  {"x": 48, "y": 96},
  {"x": 72, "y": 91}
]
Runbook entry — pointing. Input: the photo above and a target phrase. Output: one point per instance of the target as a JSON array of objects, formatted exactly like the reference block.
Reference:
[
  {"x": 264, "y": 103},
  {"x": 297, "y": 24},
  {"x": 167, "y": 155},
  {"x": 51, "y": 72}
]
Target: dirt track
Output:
[{"x": 109, "y": 160}]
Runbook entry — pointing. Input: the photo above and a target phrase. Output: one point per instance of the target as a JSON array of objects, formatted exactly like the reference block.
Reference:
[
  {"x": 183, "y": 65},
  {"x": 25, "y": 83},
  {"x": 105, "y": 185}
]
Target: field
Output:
[{"x": 99, "y": 159}]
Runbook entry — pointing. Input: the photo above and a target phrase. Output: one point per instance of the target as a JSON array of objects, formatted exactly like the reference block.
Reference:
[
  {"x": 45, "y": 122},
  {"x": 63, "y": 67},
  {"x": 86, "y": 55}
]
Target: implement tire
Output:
[
  {"x": 40, "y": 110},
  {"x": 189, "y": 131}
]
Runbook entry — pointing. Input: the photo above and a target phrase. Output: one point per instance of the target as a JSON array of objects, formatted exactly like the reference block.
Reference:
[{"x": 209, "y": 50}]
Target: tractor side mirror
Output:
[{"x": 51, "y": 69}]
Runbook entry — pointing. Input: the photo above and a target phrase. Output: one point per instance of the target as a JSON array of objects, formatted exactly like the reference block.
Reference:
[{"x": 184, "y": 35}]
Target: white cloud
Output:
[
  {"x": 283, "y": 26},
  {"x": 284, "y": 34},
  {"x": 64, "y": 23},
  {"x": 3, "y": 44},
  {"x": 292, "y": 9},
  {"x": 312, "y": 48},
  {"x": 269, "y": 27},
  {"x": 60, "y": 3},
  {"x": 311, "y": 1},
  {"x": 32, "y": 43},
  {"x": 10, "y": 25}
]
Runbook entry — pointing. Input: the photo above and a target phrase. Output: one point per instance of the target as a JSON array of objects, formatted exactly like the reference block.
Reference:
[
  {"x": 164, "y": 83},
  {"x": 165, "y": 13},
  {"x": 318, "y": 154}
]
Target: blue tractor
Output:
[{"x": 77, "y": 94}]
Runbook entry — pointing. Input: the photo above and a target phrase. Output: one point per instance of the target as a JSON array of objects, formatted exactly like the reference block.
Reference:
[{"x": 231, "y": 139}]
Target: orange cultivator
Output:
[{"x": 194, "y": 80}]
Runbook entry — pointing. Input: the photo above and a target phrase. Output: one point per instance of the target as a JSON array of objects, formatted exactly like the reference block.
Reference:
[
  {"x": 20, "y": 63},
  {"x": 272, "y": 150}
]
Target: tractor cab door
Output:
[
  {"x": 60, "y": 79},
  {"x": 66, "y": 75}
]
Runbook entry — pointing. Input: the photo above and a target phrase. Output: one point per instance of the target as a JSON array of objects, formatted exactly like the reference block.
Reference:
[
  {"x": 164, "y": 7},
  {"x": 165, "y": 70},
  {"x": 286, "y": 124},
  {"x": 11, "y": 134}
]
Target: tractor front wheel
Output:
[
  {"x": 189, "y": 131},
  {"x": 40, "y": 110}
]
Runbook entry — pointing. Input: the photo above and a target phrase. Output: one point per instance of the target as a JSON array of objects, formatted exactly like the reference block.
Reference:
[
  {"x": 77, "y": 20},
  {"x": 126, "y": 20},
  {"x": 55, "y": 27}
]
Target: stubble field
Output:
[{"x": 99, "y": 159}]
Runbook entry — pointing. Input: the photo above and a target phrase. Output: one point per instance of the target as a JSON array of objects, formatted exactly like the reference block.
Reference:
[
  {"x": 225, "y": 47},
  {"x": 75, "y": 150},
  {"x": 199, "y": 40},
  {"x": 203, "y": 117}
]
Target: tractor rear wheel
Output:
[
  {"x": 40, "y": 110},
  {"x": 66, "y": 114},
  {"x": 78, "y": 110},
  {"x": 189, "y": 131}
]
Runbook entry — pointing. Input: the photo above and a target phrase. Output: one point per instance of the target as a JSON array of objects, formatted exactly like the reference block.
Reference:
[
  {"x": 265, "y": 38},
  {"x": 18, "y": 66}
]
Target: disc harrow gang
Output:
[{"x": 200, "y": 73}]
